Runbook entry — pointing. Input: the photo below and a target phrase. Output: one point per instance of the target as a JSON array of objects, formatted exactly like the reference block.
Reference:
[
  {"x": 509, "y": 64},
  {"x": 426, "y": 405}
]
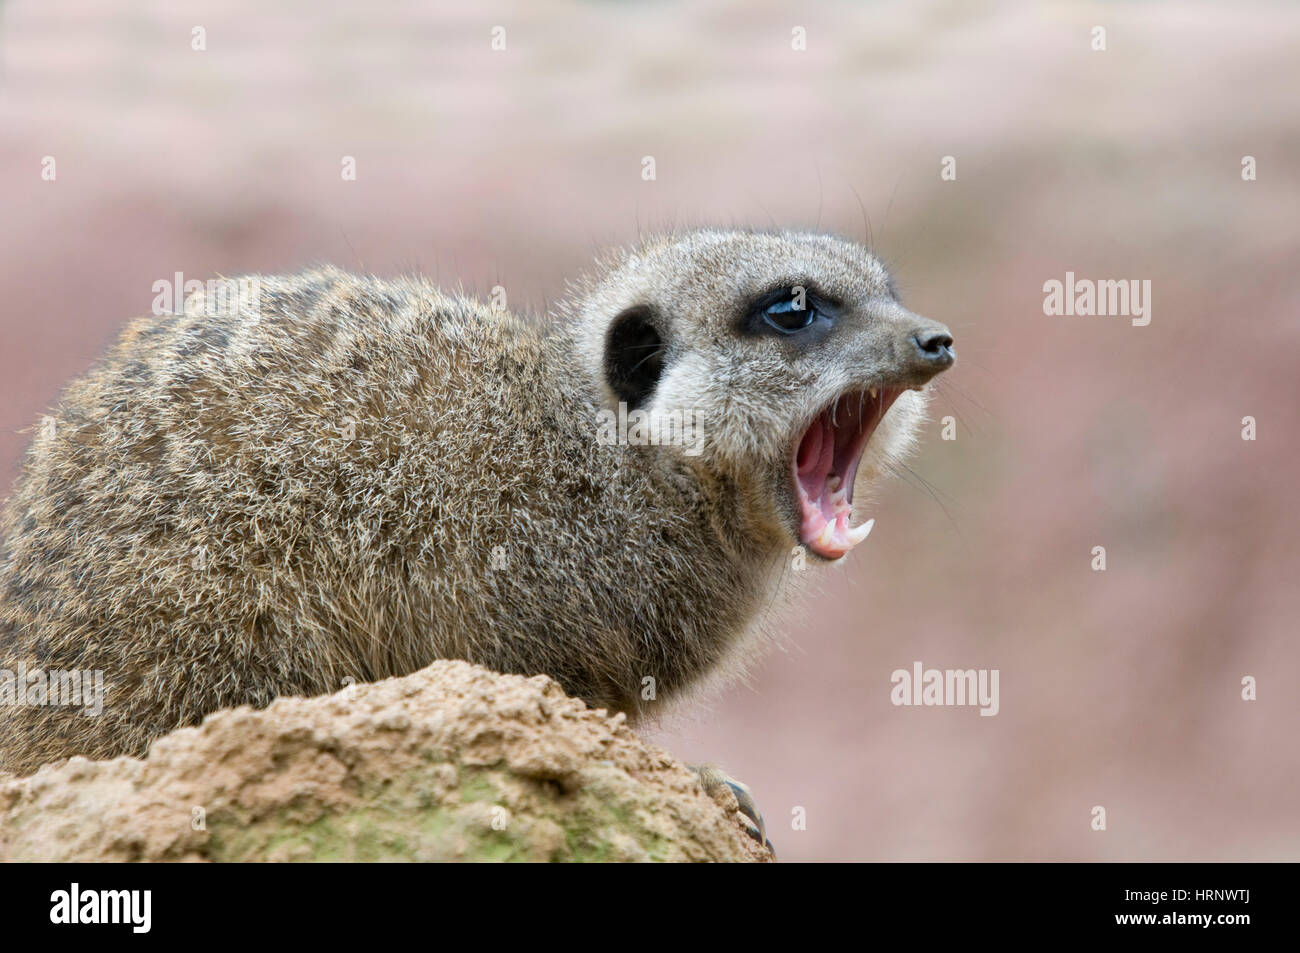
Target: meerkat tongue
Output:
[{"x": 825, "y": 465}]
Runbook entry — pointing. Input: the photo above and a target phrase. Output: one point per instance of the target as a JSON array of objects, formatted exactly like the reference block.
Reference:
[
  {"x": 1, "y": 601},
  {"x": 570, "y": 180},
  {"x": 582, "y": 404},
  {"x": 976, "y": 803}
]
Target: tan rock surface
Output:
[{"x": 451, "y": 763}]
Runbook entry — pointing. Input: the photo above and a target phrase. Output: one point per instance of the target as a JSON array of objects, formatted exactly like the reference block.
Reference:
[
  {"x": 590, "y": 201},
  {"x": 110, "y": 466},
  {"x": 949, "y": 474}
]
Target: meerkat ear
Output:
[{"x": 634, "y": 355}]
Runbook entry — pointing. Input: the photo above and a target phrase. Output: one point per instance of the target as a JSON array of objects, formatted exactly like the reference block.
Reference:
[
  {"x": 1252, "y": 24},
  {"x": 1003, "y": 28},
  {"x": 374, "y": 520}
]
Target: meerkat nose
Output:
[{"x": 934, "y": 346}]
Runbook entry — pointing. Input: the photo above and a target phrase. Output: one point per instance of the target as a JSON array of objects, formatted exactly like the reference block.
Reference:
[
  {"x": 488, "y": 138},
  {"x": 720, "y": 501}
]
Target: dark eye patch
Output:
[{"x": 634, "y": 355}]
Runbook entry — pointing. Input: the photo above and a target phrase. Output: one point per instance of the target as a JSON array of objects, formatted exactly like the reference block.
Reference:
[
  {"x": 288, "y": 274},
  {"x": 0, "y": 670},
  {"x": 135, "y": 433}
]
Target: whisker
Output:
[
  {"x": 920, "y": 483},
  {"x": 640, "y": 362}
]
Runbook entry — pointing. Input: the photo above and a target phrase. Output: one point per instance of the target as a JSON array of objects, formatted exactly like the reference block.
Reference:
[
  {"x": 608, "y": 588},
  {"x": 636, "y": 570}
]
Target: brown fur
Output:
[{"x": 272, "y": 500}]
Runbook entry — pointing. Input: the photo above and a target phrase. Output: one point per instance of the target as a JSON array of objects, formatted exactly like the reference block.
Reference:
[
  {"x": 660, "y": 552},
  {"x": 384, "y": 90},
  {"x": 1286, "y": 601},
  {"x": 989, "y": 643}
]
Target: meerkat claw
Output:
[{"x": 713, "y": 779}]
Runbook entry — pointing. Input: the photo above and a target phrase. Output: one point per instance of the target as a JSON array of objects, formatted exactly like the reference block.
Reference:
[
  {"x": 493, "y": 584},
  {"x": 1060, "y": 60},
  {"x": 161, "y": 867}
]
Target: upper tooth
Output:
[
  {"x": 875, "y": 392},
  {"x": 833, "y": 483},
  {"x": 827, "y": 538},
  {"x": 859, "y": 533}
]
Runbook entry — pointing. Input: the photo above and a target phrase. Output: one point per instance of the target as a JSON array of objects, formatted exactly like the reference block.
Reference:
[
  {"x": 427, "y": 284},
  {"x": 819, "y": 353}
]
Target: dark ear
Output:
[{"x": 634, "y": 355}]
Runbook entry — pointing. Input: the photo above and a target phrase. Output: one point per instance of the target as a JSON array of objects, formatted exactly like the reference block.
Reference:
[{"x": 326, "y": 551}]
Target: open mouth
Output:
[{"x": 825, "y": 464}]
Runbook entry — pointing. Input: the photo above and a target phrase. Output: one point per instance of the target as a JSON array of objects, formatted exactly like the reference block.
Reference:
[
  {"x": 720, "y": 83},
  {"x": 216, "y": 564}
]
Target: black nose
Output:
[{"x": 935, "y": 347}]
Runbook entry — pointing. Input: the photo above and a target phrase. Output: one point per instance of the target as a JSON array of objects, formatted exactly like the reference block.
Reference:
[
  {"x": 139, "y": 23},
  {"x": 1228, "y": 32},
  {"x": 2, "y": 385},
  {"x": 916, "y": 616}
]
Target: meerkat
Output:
[{"x": 346, "y": 478}]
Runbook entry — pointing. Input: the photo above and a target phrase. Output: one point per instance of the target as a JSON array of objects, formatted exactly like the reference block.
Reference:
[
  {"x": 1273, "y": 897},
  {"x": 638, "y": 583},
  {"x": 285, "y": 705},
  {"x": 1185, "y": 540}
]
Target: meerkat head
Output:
[{"x": 789, "y": 351}]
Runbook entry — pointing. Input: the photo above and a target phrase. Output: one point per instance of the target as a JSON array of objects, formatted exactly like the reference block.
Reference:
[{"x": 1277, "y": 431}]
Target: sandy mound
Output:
[{"x": 451, "y": 763}]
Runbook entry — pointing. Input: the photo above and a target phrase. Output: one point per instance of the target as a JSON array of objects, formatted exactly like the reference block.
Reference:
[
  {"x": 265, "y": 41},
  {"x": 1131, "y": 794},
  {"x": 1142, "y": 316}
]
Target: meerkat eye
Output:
[
  {"x": 790, "y": 310},
  {"x": 791, "y": 314}
]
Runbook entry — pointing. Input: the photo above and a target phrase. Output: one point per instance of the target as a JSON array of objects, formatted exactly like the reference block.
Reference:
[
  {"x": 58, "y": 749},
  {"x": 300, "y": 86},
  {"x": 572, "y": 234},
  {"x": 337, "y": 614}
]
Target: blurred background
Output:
[{"x": 480, "y": 167}]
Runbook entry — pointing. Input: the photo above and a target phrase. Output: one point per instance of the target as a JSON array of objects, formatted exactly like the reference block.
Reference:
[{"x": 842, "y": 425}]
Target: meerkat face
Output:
[{"x": 789, "y": 351}]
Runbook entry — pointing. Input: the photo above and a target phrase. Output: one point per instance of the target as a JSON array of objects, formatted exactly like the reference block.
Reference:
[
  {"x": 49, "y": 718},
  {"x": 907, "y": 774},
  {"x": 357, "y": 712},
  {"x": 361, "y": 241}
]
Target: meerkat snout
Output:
[{"x": 330, "y": 478}]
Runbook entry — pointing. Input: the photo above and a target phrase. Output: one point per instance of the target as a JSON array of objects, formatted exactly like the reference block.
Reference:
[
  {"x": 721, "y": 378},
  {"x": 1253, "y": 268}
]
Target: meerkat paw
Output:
[{"x": 715, "y": 782}]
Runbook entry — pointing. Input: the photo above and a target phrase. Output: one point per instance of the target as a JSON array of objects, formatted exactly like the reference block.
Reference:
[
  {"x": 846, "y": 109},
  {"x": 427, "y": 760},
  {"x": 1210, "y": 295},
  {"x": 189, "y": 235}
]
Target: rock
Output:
[{"x": 451, "y": 763}]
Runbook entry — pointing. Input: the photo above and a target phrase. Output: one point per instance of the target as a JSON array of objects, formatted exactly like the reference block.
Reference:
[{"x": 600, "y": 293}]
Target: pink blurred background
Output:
[{"x": 1119, "y": 688}]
